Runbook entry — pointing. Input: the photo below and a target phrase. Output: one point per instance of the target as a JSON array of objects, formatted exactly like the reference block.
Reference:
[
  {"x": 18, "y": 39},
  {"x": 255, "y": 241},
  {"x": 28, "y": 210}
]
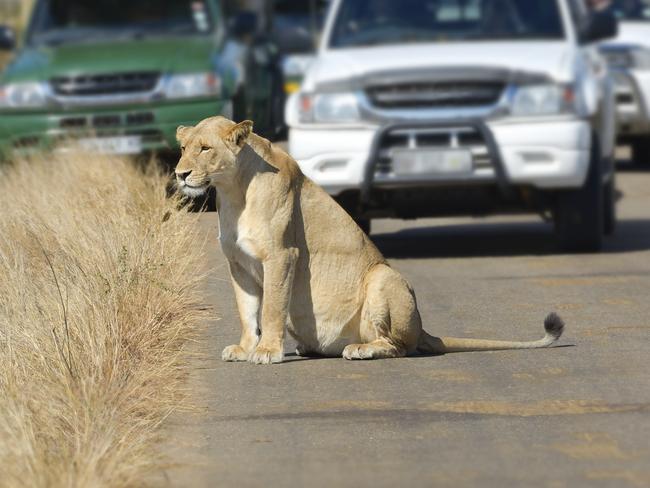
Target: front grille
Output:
[
  {"x": 105, "y": 84},
  {"x": 435, "y": 94},
  {"x": 103, "y": 121},
  {"x": 467, "y": 138},
  {"x": 147, "y": 136},
  {"x": 624, "y": 98},
  {"x": 106, "y": 121}
]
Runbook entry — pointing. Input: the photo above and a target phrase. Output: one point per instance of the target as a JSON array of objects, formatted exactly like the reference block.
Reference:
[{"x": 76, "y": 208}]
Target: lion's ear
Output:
[
  {"x": 181, "y": 131},
  {"x": 238, "y": 134}
]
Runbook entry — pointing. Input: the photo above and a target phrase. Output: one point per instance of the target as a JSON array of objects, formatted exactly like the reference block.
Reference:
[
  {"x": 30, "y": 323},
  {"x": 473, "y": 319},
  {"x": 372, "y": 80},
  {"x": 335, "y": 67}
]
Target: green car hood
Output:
[{"x": 169, "y": 55}]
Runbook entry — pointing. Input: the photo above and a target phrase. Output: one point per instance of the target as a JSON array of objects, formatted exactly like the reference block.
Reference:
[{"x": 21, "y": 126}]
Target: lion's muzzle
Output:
[{"x": 186, "y": 185}]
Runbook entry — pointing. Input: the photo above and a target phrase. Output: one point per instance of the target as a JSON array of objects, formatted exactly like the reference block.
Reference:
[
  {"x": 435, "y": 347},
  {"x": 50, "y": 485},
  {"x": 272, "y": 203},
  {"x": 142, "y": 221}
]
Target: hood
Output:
[
  {"x": 632, "y": 33},
  {"x": 552, "y": 59},
  {"x": 165, "y": 55}
]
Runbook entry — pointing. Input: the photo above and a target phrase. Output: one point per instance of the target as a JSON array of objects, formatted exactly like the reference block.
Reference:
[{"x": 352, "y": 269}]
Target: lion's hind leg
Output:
[{"x": 389, "y": 325}]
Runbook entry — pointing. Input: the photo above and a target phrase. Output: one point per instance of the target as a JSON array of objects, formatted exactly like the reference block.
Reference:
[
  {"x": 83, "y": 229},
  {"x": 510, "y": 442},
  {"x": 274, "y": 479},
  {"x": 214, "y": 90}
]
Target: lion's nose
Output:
[{"x": 182, "y": 175}]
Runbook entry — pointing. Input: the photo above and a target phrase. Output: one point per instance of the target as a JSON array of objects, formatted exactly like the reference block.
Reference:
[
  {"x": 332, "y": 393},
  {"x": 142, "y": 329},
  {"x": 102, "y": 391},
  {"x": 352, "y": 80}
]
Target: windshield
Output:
[
  {"x": 632, "y": 10},
  {"x": 61, "y": 21},
  {"x": 296, "y": 25},
  {"x": 375, "y": 22}
]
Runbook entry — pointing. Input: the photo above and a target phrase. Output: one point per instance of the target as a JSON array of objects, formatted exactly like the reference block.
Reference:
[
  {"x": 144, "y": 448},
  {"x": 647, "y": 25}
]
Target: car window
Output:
[
  {"x": 57, "y": 21},
  {"x": 296, "y": 25},
  {"x": 375, "y": 22}
]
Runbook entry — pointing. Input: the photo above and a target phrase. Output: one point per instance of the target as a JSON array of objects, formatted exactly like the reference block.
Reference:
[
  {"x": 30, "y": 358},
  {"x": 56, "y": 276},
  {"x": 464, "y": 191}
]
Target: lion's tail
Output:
[{"x": 553, "y": 325}]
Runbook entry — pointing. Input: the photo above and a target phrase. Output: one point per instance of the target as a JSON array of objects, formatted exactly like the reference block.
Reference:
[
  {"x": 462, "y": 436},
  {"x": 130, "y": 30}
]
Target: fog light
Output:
[
  {"x": 291, "y": 87},
  {"x": 537, "y": 157},
  {"x": 332, "y": 165}
]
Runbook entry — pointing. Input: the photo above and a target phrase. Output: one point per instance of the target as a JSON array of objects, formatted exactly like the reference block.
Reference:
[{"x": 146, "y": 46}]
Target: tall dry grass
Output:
[{"x": 98, "y": 295}]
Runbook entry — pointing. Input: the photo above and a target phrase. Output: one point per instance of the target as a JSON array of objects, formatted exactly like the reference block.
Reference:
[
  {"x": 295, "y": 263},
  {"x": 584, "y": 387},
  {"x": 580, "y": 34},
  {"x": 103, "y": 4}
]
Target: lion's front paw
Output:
[
  {"x": 234, "y": 353},
  {"x": 266, "y": 355}
]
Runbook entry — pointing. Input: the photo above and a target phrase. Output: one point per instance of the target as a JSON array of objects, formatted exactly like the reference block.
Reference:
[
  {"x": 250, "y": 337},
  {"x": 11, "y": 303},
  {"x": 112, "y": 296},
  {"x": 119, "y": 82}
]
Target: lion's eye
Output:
[
  {"x": 183, "y": 148},
  {"x": 205, "y": 148}
]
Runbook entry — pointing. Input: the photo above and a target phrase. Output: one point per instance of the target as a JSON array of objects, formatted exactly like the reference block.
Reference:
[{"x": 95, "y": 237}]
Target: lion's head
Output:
[{"x": 209, "y": 153}]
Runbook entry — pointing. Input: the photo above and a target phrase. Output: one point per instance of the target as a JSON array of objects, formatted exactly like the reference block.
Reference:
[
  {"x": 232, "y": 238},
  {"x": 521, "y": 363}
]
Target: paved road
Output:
[{"x": 564, "y": 417}]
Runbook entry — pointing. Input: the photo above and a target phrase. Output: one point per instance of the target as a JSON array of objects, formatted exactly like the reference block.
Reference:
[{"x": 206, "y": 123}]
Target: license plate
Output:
[
  {"x": 113, "y": 145},
  {"x": 409, "y": 162}
]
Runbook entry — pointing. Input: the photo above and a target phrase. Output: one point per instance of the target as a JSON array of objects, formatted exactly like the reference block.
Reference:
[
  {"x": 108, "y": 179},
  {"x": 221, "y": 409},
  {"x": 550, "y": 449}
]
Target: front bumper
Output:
[
  {"x": 632, "y": 88},
  {"x": 545, "y": 154},
  {"x": 154, "y": 123}
]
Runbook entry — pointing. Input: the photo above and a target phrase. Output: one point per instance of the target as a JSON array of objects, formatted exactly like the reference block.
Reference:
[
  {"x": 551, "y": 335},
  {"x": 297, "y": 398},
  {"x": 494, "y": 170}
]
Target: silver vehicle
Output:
[
  {"x": 424, "y": 108},
  {"x": 629, "y": 59}
]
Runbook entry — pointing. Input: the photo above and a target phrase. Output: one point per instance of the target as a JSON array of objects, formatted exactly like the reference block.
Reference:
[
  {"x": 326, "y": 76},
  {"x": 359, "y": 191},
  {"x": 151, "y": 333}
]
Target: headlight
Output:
[
  {"x": 192, "y": 85},
  {"x": 24, "y": 95},
  {"x": 329, "y": 107},
  {"x": 547, "y": 99}
]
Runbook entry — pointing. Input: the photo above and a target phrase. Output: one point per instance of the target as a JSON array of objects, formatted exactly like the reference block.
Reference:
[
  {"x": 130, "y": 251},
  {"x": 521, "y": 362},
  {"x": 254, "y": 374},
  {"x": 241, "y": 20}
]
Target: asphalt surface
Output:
[{"x": 577, "y": 415}]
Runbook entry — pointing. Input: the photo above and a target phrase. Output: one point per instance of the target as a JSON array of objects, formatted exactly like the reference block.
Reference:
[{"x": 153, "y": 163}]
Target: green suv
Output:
[{"x": 118, "y": 76}]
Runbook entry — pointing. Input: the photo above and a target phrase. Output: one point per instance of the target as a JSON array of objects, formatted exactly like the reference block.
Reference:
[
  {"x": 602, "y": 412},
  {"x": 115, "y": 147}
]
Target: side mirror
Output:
[
  {"x": 7, "y": 38},
  {"x": 243, "y": 24},
  {"x": 598, "y": 26}
]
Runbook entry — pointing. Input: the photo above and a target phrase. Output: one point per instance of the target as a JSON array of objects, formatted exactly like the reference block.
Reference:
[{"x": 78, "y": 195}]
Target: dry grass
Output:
[{"x": 98, "y": 295}]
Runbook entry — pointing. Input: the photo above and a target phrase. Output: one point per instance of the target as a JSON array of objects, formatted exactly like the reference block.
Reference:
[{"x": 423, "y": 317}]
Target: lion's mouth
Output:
[{"x": 194, "y": 190}]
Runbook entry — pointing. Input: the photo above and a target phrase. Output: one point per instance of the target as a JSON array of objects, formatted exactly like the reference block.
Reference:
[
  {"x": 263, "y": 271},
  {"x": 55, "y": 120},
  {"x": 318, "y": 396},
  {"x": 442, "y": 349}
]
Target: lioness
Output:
[{"x": 298, "y": 260}]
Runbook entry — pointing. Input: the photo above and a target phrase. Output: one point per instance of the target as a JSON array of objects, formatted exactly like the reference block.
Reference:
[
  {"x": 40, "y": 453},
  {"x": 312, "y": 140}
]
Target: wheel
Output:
[
  {"x": 580, "y": 214},
  {"x": 277, "y": 125},
  {"x": 609, "y": 206},
  {"x": 239, "y": 108},
  {"x": 350, "y": 203},
  {"x": 641, "y": 150},
  {"x": 364, "y": 224}
]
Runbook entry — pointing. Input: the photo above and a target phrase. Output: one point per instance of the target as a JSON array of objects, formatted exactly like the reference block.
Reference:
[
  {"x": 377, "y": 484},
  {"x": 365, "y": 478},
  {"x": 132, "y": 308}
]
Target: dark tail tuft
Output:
[{"x": 554, "y": 325}]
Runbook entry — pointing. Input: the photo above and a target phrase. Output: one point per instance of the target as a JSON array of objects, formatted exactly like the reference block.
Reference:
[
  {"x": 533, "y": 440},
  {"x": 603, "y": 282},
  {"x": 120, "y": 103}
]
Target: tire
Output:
[
  {"x": 278, "y": 100},
  {"x": 580, "y": 214},
  {"x": 239, "y": 109},
  {"x": 609, "y": 206},
  {"x": 641, "y": 150},
  {"x": 364, "y": 224}
]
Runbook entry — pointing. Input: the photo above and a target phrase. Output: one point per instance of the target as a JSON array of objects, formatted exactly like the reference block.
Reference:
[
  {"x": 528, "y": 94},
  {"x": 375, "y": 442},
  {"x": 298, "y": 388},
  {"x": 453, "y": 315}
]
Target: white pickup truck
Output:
[
  {"x": 629, "y": 58},
  {"x": 417, "y": 108}
]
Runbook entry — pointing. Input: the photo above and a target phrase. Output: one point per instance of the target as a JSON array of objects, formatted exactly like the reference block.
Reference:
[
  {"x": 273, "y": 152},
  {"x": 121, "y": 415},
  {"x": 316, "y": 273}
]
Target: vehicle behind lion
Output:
[
  {"x": 426, "y": 108},
  {"x": 628, "y": 56},
  {"x": 120, "y": 76}
]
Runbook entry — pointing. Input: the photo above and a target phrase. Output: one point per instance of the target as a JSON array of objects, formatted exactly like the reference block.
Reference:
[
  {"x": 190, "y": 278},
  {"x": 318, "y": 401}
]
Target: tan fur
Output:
[{"x": 298, "y": 260}]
